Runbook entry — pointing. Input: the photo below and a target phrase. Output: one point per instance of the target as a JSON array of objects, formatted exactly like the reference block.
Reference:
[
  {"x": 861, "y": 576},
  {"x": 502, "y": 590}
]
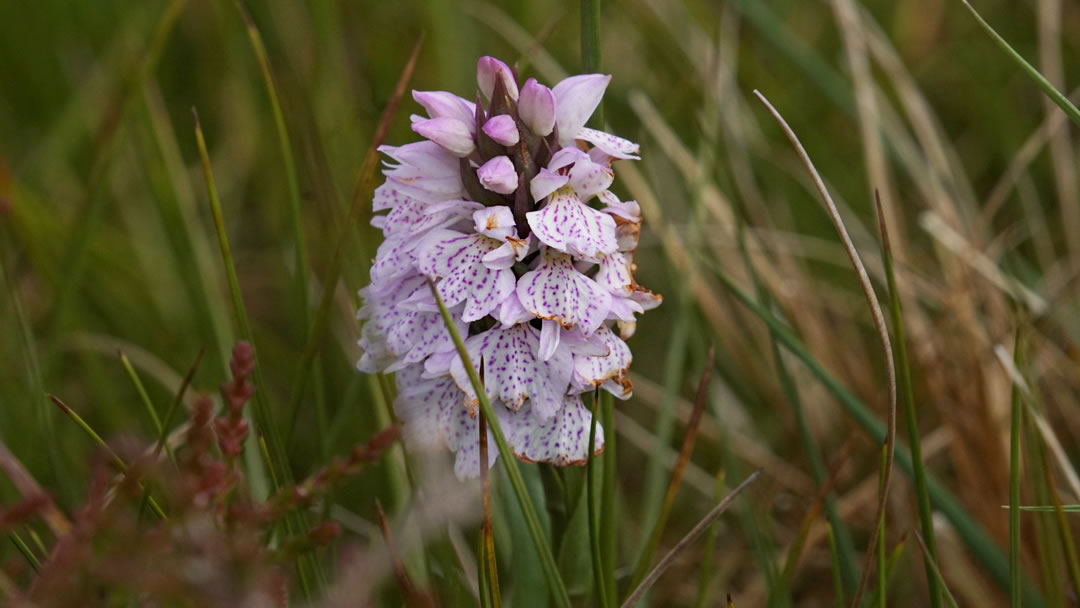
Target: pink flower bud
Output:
[
  {"x": 537, "y": 107},
  {"x": 498, "y": 175},
  {"x": 486, "y": 71},
  {"x": 502, "y": 129},
  {"x": 450, "y": 133}
]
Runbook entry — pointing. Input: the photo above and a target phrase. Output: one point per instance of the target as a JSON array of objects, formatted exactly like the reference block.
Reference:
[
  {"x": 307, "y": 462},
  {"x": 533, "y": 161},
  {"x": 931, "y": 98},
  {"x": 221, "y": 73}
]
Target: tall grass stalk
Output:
[
  {"x": 599, "y": 584},
  {"x": 506, "y": 455},
  {"x": 972, "y": 533},
  {"x": 907, "y": 397},
  {"x": 1015, "y": 429}
]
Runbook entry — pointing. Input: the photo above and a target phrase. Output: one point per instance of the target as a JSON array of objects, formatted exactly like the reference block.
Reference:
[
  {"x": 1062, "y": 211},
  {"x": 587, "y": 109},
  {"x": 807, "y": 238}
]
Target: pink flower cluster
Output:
[{"x": 507, "y": 209}]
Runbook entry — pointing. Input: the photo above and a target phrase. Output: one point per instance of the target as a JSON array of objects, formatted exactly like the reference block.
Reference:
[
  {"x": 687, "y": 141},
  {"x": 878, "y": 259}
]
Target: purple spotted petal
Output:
[
  {"x": 457, "y": 260},
  {"x": 558, "y": 292},
  {"x": 512, "y": 371},
  {"x": 567, "y": 224},
  {"x": 615, "y": 274},
  {"x": 405, "y": 336},
  {"x": 609, "y": 371},
  {"x": 588, "y": 178},
  {"x": 613, "y": 146},
  {"x": 562, "y": 439},
  {"x": 511, "y": 312}
]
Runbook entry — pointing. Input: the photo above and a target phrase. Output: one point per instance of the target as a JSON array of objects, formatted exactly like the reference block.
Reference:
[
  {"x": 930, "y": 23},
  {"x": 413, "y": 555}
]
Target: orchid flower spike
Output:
[{"x": 507, "y": 209}]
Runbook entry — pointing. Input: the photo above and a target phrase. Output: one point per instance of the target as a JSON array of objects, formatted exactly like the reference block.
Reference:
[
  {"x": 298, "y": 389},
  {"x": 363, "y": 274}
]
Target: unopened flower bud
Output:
[
  {"x": 498, "y": 175},
  {"x": 502, "y": 129},
  {"x": 537, "y": 107},
  {"x": 487, "y": 69}
]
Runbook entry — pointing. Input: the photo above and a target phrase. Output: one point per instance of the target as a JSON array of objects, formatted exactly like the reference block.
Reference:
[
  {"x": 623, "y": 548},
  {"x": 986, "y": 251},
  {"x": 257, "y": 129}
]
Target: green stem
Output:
[
  {"x": 590, "y": 498},
  {"x": 1017, "y": 418},
  {"x": 536, "y": 530}
]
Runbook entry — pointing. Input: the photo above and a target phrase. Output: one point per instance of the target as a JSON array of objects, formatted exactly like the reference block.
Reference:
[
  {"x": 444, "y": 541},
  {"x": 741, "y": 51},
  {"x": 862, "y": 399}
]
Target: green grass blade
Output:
[
  {"x": 972, "y": 533},
  {"x": 932, "y": 563},
  {"x": 710, "y": 548},
  {"x": 838, "y": 583},
  {"x": 907, "y": 396},
  {"x": 536, "y": 531},
  {"x": 609, "y": 538},
  {"x": 25, "y": 550},
  {"x": 599, "y": 586},
  {"x": 147, "y": 403},
  {"x": 1015, "y": 429},
  {"x": 677, "y": 473},
  {"x": 845, "y": 547},
  {"x": 120, "y": 464},
  {"x": 1055, "y": 95},
  {"x": 882, "y": 573},
  {"x": 264, "y": 417}
]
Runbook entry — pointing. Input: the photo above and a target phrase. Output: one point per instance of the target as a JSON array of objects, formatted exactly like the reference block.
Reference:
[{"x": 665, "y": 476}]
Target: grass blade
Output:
[
  {"x": 147, "y": 403},
  {"x": 120, "y": 464},
  {"x": 609, "y": 538},
  {"x": 973, "y": 534},
  {"x": 879, "y": 324},
  {"x": 1055, "y": 95},
  {"x": 922, "y": 496},
  {"x": 536, "y": 531},
  {"x": 490, "y": 566},
  {"x": 264, "y": 418},
  {"x": 844, "y": 546},
  {"x": 361, "y": 196},
  {"x": 594, "y": 525},
  {"x": 932, "y": 564},
  {"x": 676, "y": 476},
  {"x": 695, "y": 533},
  {"x": 1015, "y": 428},
  {"x": 710, "y": 547}
]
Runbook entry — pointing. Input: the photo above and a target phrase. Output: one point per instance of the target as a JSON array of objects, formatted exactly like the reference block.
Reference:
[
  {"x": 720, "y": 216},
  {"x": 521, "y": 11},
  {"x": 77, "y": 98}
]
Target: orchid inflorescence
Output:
[{"x": 494, "y": 209}]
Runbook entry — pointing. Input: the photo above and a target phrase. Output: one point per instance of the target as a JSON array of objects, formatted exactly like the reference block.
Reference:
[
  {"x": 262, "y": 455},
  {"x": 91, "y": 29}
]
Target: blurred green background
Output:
[{"x": 108, "y": 243}]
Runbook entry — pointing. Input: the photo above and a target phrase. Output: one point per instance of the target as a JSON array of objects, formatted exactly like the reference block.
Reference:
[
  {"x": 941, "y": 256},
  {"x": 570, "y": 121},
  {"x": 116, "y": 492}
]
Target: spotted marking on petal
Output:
[
  {"x": 616, "y": 147},
  {"x": 593, "y": 371},
  {"x": 567, "y": 224},
  {"x": 562, "y": 439},
  {"x": 558, "y": 292},
  {"x": 457, "y": 260},
  {"x": 615, "y": 275},
  {"x": 512, "y": 371}
]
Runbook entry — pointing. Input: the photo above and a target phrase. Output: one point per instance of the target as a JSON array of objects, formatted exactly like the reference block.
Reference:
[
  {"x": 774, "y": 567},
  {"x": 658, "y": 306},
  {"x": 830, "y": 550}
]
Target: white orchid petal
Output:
[
  {"x": 570, "y": 226},
  {"x": 576, "y": 99},
  {"x": 558, "y": 292}
]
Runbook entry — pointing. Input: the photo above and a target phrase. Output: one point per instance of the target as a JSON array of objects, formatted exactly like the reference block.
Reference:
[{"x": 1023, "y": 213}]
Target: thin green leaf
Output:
[
  {"x": 120, "y": 464},
  {"x": 1015, "y": 429},
  {"x": 599, "y": 586},
  {"x": 677, "y": 474},
  {"x": 694, "y": 534},
  {"x": 972, "y": 533},
  {"x": 1055, "y": 95},
  {"x": 536, "y": 531},
  {"x": 932, "y": 563},
  {"x": 907, "y": 396}
]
